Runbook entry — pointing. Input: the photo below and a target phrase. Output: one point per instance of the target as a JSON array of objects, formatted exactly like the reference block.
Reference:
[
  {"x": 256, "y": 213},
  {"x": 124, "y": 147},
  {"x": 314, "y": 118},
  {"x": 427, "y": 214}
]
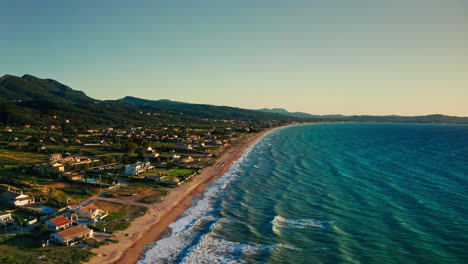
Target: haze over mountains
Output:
[{"x": 32, "y": 100}]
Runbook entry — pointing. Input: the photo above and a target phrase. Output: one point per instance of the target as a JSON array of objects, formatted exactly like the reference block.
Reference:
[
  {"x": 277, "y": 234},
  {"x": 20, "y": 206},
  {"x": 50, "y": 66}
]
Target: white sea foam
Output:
[
  {"x": 213, "y": 249},
  {"x": 280, "y": 222},
  {"x": 183, "y": 244}
]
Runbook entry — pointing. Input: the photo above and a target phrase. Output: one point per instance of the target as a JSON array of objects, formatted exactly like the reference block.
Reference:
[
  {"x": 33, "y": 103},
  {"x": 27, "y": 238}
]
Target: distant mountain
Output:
[
  {"x": 134, "y": 101},
  {"x": 436, "y": 118},
  {"x": 31, "y": 100},
  {"x": 29, "y": 88},
  {"x": 199, "y": 110},
  {"x": 299, "y": 114}
]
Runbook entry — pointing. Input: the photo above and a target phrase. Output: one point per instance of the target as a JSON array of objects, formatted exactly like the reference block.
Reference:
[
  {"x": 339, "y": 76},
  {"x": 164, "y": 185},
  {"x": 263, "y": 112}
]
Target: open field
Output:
[
  {"x": 143, "y": 192},
  {"x": 18, "y": 157},
  {"x": 120, "y": 215},
  {"x": 26, "y": 249}
]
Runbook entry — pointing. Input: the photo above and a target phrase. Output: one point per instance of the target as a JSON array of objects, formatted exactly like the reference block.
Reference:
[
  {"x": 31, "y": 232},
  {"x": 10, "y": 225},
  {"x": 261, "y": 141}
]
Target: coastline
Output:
[{"x": 151, "y": 226}]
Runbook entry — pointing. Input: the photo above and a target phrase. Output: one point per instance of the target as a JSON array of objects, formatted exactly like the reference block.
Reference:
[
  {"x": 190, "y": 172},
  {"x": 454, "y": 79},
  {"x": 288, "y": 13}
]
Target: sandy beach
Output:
[{"x": 150, "y": 227}]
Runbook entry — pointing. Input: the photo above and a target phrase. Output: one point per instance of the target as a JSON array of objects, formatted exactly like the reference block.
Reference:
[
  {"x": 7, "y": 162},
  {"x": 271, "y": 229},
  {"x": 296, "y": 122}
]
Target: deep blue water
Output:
[{"x": 333, "y": 193}]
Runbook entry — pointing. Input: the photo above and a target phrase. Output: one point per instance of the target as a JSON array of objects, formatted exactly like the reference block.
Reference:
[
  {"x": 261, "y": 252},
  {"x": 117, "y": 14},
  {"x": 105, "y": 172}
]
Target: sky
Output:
[{"x": 377, "y": 57}]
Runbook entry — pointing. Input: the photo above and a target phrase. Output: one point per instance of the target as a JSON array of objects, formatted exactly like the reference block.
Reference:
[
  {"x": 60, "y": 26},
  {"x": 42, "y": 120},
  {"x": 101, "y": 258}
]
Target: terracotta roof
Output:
[
  {"x": 60, "y": 221},
  {"x": 24, "y": 198},
  {"x": 75, "y": 231},
  {"x": 87, "y": 208}
]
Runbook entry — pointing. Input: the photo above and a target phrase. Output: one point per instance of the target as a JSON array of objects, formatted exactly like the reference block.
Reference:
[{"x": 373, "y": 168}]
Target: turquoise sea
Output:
[{"x": 333, "y": 193}]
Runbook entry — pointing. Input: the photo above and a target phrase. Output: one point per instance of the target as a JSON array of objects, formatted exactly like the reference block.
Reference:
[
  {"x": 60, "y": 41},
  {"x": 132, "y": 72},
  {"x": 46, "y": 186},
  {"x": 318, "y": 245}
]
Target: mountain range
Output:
[{"x": 32, "y": 100}]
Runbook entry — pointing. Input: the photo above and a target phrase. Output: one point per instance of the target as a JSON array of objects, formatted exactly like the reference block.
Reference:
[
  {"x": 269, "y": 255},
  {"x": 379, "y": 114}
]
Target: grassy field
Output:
[
  {"x": 120, "y": 215},
  {"x": 27, "y": 250},
  {"x": 18, "y": 157},
  {"x": 170, "y": 172},
  {"x": 142, "y": 192}
]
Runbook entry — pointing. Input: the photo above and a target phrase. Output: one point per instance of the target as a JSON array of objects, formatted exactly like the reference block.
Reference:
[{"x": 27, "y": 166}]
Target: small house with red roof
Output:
[
  {"x": 59, "y": 223},
  {"x": 56, "y": 157},
  {"x": 72, "y": 235}
]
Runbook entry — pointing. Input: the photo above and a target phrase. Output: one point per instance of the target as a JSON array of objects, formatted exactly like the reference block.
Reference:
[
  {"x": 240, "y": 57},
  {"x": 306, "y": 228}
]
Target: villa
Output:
[
  {"x": 17, "y": 199},
  {"x": 59, "y": 223},
  {"x": 72, "y": 235},
  {"x": 91, "y": 212},
  {"x": 138, "y": 168},
  {"x": 56, "y": 157}
]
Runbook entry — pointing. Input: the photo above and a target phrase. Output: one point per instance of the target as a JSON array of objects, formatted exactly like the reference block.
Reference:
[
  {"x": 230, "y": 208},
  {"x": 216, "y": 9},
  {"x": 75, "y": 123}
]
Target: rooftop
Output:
[
  {"x": 75, "y": 231},
  {"x": 60, "y": 221}
]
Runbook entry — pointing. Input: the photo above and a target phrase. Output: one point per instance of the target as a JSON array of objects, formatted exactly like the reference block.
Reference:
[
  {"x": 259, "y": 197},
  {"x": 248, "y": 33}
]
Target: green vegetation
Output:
[
  {"x": 137, "y": 188},
  {"x": 154, "y": 198},
  {"x": 120, "y": 215},
  {"x": 26, "y": 249},
  {"x": 116, "y": 215}
]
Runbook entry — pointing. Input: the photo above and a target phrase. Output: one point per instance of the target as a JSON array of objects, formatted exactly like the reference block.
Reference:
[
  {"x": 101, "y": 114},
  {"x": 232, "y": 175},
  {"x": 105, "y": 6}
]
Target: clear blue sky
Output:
[{"x": 407, "y": 57}]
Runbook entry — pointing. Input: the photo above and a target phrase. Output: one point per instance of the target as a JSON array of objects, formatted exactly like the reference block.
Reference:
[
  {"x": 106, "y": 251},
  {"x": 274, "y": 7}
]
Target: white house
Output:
[
  {"x": 138, "y": 168},
  {"x": 5, "y": 218},
  {"x": 91, "y": 212},
  {"x": 72, "y": 235},
  {"x": 17, "y": 199},
  {"x": 59, "y": 223}
]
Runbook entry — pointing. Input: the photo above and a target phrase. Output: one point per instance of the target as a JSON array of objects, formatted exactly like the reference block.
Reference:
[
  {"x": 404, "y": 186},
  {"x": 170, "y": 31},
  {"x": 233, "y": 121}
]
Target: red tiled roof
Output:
[
  {"x": 24, "y": 198},
  {"x": 75, "y": 231},
  {"x": 60, "y": 221},
  {"x": 87, "y": 208}
]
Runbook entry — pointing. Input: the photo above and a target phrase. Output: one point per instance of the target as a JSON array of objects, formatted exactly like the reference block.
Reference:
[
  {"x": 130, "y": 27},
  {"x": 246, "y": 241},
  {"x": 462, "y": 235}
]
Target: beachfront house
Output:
[
  {"x": 72, "y": 235},
  {"x": 91, "y": 213},
  {"x": 58, "y": 223},
  {"x": 17, "y": 199}
]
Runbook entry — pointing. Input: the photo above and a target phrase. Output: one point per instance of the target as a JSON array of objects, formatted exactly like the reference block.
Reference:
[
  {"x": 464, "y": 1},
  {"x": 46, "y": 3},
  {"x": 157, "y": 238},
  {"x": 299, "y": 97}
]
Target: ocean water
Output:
[{"x": 333, "y": 193}]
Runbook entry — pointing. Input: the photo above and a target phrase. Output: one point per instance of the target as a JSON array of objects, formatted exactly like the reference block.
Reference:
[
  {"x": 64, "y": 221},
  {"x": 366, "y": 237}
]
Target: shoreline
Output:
[{"x": 151, "y": 227}]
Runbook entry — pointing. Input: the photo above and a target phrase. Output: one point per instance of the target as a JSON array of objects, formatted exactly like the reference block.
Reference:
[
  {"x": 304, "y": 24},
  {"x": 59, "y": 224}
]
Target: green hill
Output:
[
  {"x": 199, "y": 110},
  {"x": 29, "y": 88}
]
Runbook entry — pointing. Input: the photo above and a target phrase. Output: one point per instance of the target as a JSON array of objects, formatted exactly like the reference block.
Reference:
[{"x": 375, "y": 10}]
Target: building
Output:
[
  {"x": 56, "y": 157},
  {"x": 91, "y": 212},
  {"x": 59, "y": 223},
  {"x": 138, "y": 168},
  {"x": 72, "y": 235},
  {"x": 57, "y": 167},
  {"x": 186, "y": 159},
  {"x": 17, "y": 199},
  {"x": 5, "y": 218}
]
